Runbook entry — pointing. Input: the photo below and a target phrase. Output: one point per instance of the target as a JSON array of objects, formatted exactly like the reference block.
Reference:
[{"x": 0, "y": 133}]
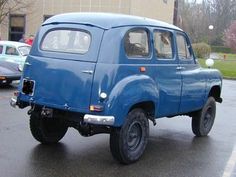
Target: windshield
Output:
[
  {"x": 24, "y": 50},
  {"x": 67, "y": 40}
]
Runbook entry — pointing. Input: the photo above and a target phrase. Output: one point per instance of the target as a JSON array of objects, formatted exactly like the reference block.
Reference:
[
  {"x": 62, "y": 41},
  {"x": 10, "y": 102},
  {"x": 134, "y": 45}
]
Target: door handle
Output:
[
  {"x": 27, "y": 63},
  {"x": 87, "y": 71}
]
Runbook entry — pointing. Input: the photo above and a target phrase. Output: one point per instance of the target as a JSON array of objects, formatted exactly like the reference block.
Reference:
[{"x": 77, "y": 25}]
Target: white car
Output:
[{"x": 15, "y": 52}]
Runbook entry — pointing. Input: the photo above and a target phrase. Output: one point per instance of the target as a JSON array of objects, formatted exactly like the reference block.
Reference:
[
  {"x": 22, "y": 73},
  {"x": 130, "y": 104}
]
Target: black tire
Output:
[
  {"x": 203, "y": 119},
  {"x": 47, "y": 130},
  {"x": 127, "y": 144}
]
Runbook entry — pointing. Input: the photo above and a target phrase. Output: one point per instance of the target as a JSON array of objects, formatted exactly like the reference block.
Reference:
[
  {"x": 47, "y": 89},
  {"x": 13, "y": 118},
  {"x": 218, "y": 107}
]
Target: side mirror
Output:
[{"x": 209, "y": 62}]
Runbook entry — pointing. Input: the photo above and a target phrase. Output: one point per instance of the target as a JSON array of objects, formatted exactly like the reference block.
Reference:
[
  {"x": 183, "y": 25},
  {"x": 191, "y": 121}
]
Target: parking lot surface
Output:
[{"x": 172, "y": 150}]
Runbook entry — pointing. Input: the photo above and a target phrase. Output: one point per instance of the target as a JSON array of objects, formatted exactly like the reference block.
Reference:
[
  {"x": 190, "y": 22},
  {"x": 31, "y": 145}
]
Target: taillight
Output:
[
  {"x": 96, "y": 108},
  {"x": 2, "y": 78}
]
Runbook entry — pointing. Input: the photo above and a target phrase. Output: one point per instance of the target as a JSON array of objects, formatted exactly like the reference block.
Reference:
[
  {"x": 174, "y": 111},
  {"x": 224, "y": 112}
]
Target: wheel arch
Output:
[
  {"x": 215, "y": 93},
  {"x": 147, "y": 106}
]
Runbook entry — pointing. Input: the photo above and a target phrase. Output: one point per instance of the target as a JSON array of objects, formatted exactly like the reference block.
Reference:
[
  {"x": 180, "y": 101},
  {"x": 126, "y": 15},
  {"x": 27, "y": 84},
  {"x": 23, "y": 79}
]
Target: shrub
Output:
[
  {"x": 221, "y": 49},
  {"x": 201, "y": 50}
]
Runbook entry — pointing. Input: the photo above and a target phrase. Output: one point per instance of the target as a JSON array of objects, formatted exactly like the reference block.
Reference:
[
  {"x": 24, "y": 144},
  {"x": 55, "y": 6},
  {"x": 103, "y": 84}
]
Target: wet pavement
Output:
[{"x": 172, "y": 149}]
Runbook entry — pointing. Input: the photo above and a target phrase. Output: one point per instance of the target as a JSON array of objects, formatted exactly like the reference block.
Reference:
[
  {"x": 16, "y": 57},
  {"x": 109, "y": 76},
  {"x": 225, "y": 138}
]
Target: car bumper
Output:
[
  {"x": 8, "y": 79},
  {"x": 99, "y": 120},
  {"x": 13, "y": 102}
]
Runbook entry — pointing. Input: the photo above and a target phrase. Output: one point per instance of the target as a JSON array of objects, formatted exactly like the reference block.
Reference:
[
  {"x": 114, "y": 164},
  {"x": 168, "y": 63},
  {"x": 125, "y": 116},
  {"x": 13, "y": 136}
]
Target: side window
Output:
[
  {"x": 11, "y": 51},
  {"x": 183, "y": 48},
  {"x": 163, "y": 44},
  {"x": 1, "y": 49},
  {"x": 137, "y": 43}
]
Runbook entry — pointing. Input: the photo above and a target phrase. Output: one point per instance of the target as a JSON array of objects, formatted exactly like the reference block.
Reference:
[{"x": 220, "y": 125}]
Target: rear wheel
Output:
[
  {"x": 47, "y": 130},
  {"x": 203, "y": 119},
  {"x": 128, "y": 143}
]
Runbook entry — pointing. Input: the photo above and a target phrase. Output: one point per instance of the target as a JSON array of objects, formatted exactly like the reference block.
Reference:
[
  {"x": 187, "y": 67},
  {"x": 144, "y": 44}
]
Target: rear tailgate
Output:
[{"x": 62, "y": 79}]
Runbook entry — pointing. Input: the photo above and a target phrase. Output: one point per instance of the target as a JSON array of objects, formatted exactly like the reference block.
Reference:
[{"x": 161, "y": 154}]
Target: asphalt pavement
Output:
[{"x": 172, "y": 151}]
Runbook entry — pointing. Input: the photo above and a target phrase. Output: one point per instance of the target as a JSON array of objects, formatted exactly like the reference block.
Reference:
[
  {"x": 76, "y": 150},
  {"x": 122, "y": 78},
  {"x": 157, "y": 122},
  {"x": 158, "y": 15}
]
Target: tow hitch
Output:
[{"x": 47, "y": 112}]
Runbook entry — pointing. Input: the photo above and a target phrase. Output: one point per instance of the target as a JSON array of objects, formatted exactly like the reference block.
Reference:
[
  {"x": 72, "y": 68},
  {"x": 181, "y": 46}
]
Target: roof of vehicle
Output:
[
  {"x": 13, "y": 43},
  {"x": 107, "y": 20}
]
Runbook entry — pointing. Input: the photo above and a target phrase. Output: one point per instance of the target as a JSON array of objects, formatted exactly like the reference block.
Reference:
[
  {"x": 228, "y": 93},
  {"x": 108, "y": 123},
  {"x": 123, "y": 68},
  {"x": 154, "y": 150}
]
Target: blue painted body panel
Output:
[{"x": 60, "y": 82}]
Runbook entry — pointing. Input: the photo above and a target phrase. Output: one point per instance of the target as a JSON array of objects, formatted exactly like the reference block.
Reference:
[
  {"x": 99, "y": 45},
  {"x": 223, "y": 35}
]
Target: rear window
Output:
[
  {"x": 24, "y": 50},
  {"x": 67, "y": 40}
]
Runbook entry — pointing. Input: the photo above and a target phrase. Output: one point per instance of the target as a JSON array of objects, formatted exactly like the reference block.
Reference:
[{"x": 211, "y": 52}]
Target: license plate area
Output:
[{"x": 28, "y": 87}]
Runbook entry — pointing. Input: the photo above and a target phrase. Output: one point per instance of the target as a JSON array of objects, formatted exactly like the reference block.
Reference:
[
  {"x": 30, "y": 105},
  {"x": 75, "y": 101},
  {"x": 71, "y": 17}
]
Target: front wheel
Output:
[
  {"x": 47, "y": 130},
  {"x": 127, "y": 144},
  {"x": 203, "y": 119}
]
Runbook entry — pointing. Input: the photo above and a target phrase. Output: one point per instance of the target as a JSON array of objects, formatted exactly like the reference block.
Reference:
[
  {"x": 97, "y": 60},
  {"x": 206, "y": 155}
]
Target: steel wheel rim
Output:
[
  {"x": 134, "y": 135},
  {"x": 208, "y": 118}
]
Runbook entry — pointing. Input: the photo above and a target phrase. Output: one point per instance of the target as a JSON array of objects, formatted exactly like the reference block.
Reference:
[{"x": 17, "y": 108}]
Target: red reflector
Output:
[
  {"x": 2, "y": 78},
  {"x": 16, "y": 93},
  {"x": 142, "y": 69}
]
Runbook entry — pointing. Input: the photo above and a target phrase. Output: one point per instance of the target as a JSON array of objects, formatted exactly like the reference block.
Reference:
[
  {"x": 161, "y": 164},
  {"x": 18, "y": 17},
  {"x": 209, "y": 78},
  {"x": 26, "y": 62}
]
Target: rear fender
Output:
[{"x": 128, "y": 92}]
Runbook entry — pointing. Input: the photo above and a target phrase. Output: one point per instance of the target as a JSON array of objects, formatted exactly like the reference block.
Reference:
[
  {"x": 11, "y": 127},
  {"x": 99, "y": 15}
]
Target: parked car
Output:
[
  {"x": 15, "y": 52},
  {"x": 107, "y": 73},
  {"x": 9, "y": 72}
]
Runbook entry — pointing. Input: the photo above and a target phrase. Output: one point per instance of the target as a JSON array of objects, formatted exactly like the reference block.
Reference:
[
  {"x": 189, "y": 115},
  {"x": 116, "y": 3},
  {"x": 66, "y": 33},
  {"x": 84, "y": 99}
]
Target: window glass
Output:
[
  {"x": 1, "y": 49},
  {"x": 163, "y": 44},
  {"x": 70, "y": 41},
  {"x": 16, "y": 27},
  {"x": 11, "y": 51},
  {"x": 183, "y": 48},
  {"x": 24, "y": 50},
  {"x": 137, "y": 43}
]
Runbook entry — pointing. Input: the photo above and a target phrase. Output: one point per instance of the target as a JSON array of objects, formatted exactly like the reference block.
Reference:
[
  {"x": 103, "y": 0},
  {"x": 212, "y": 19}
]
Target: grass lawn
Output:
[
  {"x": 227, "y": 67},
  {"x": 229, "y": 56}
]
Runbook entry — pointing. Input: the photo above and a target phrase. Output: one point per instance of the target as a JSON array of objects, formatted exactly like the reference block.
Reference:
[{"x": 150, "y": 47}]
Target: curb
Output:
[{"x": 229, "y": 78}]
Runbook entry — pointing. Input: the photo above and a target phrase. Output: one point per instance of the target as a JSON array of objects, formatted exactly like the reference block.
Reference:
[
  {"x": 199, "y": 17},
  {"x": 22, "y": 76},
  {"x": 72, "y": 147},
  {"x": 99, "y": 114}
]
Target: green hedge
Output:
[
  {"x": 221, "y": 49},
  {"x": 201, "y": 50}
]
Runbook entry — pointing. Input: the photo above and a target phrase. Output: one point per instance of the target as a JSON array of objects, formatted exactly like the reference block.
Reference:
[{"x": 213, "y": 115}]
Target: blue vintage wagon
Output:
[{"x": 110, "y": 73}]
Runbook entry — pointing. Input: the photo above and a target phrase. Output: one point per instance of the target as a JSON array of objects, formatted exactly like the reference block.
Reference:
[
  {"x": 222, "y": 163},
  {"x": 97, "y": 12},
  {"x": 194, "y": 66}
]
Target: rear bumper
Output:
[
  {"x": 88, "y": 118},
  {"x": 13, "y": 102},
  {"x": 99, "y": 120}
]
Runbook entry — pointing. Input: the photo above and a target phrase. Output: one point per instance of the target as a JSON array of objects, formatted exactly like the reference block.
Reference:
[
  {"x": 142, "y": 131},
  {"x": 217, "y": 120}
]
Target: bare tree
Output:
[
  {"x": 196, "y": 18},
  {"x": 230, "y": 36},
  {"x": 11, "y": 6},
  {"x": 222, "y": 14}
]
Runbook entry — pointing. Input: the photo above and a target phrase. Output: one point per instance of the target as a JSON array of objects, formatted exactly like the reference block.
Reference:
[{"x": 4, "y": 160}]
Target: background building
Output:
[{"x": 28, "y": 20}]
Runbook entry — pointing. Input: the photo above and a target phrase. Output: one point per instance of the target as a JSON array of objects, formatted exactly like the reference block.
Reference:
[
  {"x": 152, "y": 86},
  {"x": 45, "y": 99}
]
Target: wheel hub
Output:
[
  {"x": 208, "y": 118},
  {"x": 134, "y": 135}
]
